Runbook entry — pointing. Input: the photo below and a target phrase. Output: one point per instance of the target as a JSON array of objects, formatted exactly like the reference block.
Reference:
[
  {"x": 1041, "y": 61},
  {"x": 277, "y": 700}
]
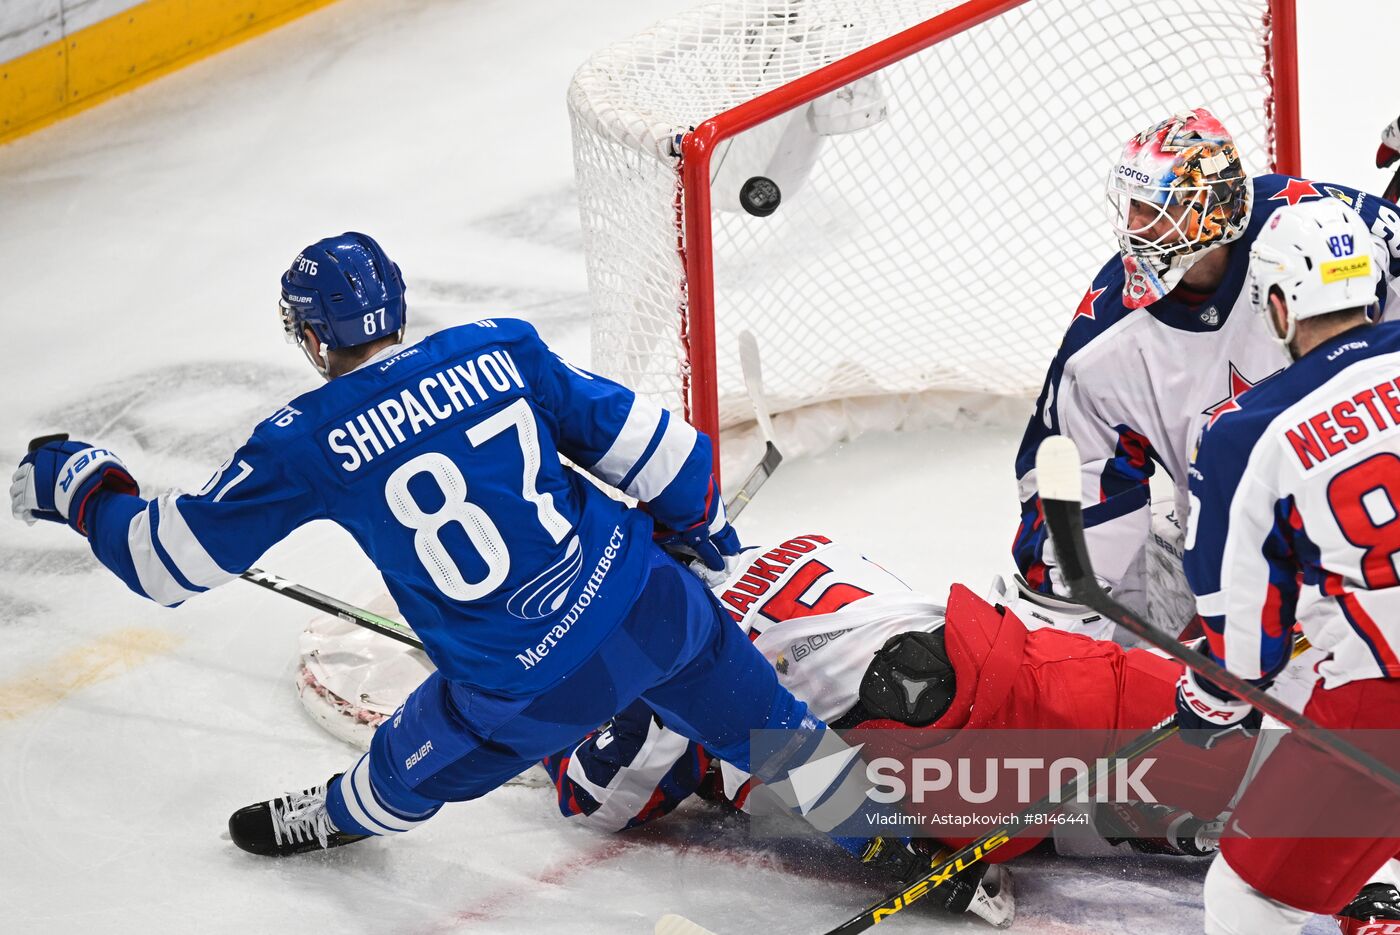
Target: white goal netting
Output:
[{"x": 939, "y": 220}]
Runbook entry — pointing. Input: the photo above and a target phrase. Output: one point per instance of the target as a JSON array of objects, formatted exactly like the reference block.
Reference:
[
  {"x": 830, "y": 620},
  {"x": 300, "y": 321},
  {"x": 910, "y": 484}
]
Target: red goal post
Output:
[{"x": 940, "y": 167}]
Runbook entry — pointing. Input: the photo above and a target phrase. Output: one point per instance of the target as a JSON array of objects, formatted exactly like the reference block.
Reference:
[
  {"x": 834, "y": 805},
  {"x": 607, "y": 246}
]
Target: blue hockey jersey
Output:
[
  {"x": 1296, "y": 514},
  {"x": 1133, "y": 388},
  {"x": 442, "y": 460}
]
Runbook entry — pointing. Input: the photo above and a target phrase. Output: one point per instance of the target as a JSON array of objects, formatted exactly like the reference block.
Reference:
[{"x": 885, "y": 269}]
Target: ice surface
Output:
[{"x": 140, "y": 245}]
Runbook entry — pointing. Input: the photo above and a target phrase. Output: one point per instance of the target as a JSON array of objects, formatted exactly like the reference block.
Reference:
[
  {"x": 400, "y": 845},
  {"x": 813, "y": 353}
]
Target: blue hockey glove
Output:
[
  {"x": 708, "y": 540},
  {"x": 58, "y": 478},
  {"x": 1207, "y": 715}
]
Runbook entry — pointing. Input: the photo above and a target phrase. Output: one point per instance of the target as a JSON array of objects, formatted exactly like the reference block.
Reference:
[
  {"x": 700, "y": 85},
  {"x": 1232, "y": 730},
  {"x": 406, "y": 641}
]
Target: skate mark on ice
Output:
[
  {"x": 443, "y": 303},
  {"x": 105, "y": 658},
  {"x": 549, "y": 218},
  {"x": 46, "y": 560},
  {"x": 17, "y": 607},
  {"x": 201, "y": 410}
]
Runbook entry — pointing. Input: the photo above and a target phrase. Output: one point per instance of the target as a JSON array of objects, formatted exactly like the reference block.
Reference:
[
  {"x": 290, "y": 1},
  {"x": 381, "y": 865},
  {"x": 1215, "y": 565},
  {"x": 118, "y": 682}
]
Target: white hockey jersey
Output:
[
  {"x": 818, "y": 611},
  {"x": 1133, "y": 388}
]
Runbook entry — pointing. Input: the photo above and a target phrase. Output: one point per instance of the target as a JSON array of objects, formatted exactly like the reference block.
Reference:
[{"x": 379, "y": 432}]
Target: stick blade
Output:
[
  {"x": 752, "y": 366},
  {"x": 1057, "y": 469},
  {"x": 672, "y": 924}
]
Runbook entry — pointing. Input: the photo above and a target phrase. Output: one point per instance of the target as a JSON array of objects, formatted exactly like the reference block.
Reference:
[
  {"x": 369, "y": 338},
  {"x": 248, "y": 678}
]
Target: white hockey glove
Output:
[
  {"x": 1389, "y": 150},
  {"x": 1386, "y": 155},
  {"x": 58, "y": 478},
  {"x": 1037, "y": 610}
]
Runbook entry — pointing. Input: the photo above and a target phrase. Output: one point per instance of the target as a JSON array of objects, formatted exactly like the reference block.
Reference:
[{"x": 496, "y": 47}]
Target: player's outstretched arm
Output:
[{"x": 173, "y": 546}]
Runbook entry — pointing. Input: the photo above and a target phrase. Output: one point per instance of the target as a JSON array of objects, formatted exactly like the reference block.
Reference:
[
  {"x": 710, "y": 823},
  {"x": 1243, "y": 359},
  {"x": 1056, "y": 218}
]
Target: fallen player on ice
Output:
[{"x": 849, "y": 638}]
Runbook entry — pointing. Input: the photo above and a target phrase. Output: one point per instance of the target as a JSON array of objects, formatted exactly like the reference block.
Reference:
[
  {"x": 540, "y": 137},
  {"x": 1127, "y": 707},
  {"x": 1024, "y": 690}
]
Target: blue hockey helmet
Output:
[{"x": 346, "y": 290}]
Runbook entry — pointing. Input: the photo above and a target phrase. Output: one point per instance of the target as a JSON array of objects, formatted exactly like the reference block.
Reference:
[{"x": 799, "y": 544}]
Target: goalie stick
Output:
[
  {"x": 1057, "y": 468},
  {"x": 753, "y": 382},
  {"x": 965, "y": 856}
]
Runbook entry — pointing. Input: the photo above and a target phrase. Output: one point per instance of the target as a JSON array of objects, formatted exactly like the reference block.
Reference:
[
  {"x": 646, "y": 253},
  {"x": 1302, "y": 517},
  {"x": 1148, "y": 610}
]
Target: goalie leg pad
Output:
[{"x": 910, "y": 680}]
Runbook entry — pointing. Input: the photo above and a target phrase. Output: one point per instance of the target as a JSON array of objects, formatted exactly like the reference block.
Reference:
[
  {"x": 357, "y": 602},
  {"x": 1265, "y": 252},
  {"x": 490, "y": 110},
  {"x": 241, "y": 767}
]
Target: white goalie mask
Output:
[{"x": 1321, "y": 258}]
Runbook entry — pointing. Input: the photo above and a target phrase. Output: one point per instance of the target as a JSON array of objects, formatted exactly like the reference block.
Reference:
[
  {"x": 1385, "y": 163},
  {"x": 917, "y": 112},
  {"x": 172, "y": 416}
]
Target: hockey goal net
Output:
[{"x": 938, "y": 174}]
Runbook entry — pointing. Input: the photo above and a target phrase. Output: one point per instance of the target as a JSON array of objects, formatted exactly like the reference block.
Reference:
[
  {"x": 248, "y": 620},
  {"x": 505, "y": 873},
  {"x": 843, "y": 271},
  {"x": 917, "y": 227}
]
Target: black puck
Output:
[{"x": 760, "y": 196}]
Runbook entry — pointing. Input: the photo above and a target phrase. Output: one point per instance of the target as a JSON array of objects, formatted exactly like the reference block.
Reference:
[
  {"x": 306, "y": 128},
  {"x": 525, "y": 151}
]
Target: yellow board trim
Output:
[{"x": 127, "y": 50}]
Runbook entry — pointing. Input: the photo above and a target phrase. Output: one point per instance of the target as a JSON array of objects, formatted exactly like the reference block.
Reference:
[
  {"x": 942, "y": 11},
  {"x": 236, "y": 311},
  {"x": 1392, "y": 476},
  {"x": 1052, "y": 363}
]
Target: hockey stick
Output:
[
  {"x": 753, "y": 382},
  {"x": 336, "y": 608},
  {"x": 1057, "y": 468}
]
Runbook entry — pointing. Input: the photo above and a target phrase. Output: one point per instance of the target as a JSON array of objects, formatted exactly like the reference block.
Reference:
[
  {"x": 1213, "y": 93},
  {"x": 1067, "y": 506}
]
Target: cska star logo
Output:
[
  {"x": 1086, "y": 304},
  {"x": 1295, "y": 191},
  {"x": 1238, "y": 384}
]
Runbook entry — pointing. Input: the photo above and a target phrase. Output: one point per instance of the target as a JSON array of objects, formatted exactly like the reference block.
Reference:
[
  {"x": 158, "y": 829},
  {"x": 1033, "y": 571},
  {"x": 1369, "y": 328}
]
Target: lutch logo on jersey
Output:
[{"x": 441, "y": 396}]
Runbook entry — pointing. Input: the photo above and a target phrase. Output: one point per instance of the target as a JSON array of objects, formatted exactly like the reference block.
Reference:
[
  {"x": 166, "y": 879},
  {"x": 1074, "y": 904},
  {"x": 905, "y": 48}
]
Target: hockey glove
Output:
[
  {"x": 1390, "y": 145},
  {"x": 709, "y": 540},
  {"x": 1386, "y": 155},
  {"x": 1374, "y": 911},
  {"x": 1207, "y": 715},
  {"x": 58, "y": 480}
]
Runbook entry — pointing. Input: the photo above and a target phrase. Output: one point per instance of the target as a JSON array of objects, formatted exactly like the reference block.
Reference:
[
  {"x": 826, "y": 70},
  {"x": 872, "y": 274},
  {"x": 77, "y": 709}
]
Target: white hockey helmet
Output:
[{"x": 1321, "y": 258}]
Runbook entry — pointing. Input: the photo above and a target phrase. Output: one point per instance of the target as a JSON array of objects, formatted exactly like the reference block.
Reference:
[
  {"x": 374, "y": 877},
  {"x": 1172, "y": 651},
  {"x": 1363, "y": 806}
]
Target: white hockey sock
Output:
[{"x": 1233, "y": 907}]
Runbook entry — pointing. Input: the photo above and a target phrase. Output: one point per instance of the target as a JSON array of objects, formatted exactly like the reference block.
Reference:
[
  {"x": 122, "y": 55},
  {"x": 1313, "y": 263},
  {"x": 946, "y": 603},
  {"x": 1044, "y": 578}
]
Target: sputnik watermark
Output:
[{"x": 1069, "y": 778}]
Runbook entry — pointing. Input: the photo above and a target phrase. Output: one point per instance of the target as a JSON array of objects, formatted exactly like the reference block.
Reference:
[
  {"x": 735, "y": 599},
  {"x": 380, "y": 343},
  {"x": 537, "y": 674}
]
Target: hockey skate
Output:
[
  {"x": 293, "y": 824},
  {"x": 1153, "y": 828}
]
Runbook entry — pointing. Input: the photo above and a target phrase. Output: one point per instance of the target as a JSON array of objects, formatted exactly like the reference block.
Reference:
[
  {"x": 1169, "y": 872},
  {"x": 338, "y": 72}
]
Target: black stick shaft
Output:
[{"x": 327, "y": 604}]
